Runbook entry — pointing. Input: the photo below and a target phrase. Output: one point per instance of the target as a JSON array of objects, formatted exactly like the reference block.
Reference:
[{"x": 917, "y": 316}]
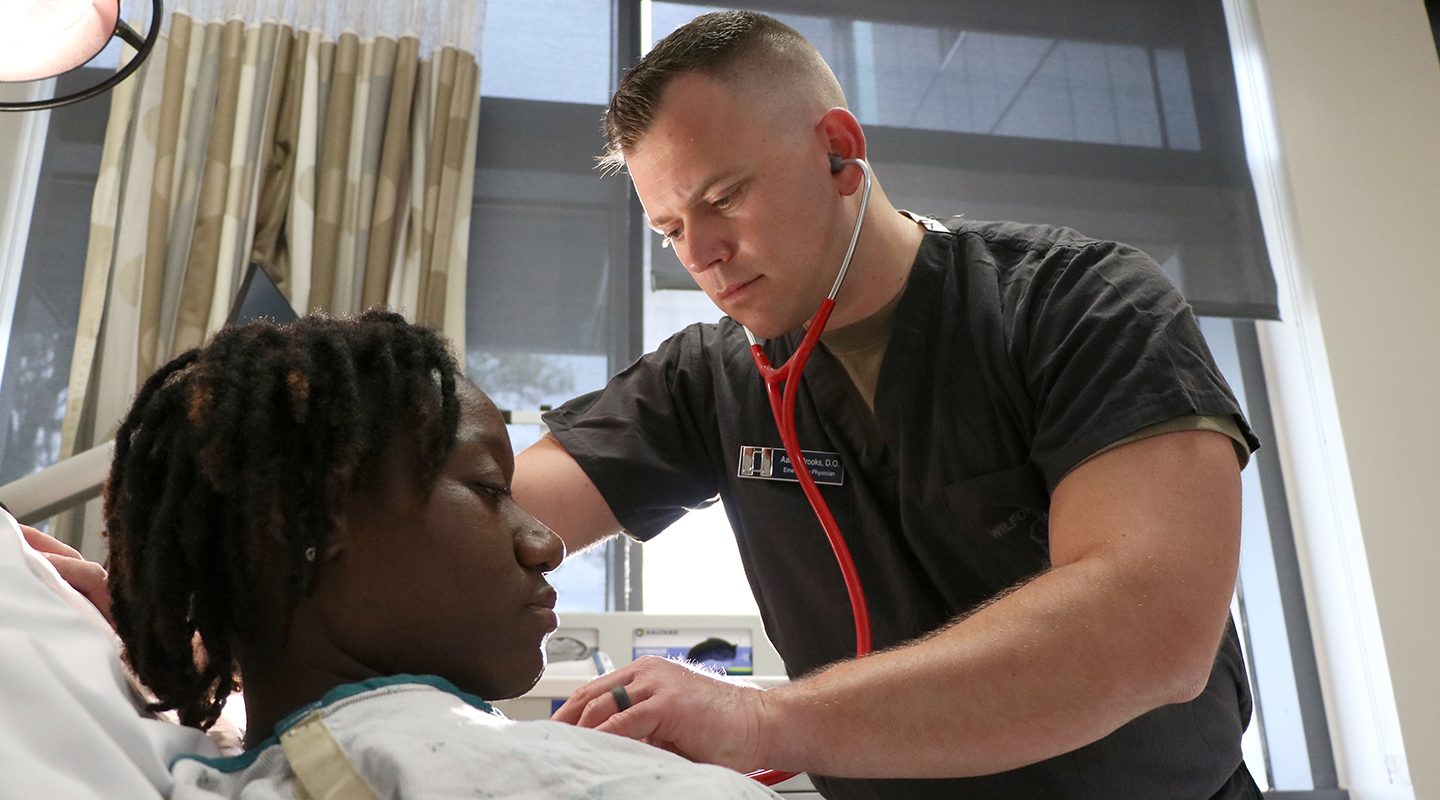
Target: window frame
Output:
[{"x": 1315, "y": 749}]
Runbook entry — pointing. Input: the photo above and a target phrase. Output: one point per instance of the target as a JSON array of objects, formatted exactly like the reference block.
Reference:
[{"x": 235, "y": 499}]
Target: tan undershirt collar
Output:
[{"x": 860, "y": 347}]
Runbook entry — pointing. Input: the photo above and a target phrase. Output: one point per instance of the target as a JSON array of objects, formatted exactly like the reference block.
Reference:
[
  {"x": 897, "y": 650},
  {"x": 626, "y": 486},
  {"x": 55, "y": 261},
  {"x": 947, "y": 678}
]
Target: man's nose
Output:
[{"x": 704, "y": 245}]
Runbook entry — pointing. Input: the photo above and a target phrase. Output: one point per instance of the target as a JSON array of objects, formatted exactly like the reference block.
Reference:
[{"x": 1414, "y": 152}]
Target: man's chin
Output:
[
  {"x": 761, "y": 331},
  {"x": 763, "y": 327}
]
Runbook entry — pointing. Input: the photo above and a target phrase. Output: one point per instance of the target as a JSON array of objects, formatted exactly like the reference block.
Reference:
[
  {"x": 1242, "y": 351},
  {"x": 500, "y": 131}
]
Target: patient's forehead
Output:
[{"x": 480, "y": 420}]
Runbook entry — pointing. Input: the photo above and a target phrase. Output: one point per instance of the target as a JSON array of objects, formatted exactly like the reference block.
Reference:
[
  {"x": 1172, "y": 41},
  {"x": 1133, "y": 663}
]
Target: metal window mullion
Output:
[
  {"x": 1287, "y": 573},
  {"x": 627, "y": 300}
]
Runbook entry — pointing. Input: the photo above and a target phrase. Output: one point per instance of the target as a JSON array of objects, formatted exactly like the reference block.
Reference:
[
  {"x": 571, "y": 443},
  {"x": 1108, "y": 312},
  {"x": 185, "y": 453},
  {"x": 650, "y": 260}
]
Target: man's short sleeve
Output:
[
  {"x": 642, "y": 439},
  {"x": 1109, "y": 347}
]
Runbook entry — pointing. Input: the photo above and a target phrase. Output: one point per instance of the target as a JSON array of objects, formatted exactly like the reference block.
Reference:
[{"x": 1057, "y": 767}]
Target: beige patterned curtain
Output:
[{"x": 330, "y": 141}]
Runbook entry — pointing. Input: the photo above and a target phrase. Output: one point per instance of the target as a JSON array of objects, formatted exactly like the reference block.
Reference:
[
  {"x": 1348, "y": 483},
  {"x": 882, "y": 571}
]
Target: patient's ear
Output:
[
  {"x": 340, "y": 539},
  {"x": 320, "y": 558},
  {"x": 340, "y": 500}
]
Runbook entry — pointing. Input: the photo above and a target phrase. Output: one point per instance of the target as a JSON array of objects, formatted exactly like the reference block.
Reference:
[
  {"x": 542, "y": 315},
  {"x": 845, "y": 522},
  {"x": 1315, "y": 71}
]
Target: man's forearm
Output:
[
  {"x": 1145, "y": 541},
  {"x": 1053, "y": 666},
  {"x": 550, "y": 485}
]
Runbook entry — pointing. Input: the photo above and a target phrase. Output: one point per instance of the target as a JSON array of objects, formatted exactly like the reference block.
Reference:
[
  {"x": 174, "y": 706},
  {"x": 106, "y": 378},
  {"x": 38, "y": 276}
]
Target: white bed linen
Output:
[{"x": 70, "y": 726}]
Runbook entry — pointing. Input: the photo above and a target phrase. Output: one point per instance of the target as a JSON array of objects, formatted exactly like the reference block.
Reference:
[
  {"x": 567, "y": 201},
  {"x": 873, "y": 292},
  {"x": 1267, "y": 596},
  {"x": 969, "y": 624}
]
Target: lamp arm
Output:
[
  {"x": 128, "y": 33},
  {"x": 130, "y": 37}
]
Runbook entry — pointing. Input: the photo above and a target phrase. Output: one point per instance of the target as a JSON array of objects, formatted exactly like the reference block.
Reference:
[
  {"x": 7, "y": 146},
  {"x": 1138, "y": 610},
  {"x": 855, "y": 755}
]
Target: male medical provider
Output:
[{"x": 1039, "y": 467}]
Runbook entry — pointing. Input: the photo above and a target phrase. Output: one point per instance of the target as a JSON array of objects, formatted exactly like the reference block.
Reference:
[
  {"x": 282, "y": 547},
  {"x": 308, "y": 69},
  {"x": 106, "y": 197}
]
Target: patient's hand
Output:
[{"x": 87, "y": 577}]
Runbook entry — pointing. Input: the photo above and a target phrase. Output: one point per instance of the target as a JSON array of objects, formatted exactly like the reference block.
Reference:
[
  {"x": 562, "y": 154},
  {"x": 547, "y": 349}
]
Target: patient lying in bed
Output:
[{"x": 321, "y": 513}]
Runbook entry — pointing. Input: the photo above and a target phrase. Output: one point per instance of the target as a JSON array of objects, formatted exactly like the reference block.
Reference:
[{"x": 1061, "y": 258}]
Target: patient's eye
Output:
[{"x": 492, "y": 490}]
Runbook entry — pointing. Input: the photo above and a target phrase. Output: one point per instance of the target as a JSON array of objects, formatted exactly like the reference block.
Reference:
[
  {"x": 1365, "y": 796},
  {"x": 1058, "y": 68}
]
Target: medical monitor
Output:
[{"x": 259, "y": 298}]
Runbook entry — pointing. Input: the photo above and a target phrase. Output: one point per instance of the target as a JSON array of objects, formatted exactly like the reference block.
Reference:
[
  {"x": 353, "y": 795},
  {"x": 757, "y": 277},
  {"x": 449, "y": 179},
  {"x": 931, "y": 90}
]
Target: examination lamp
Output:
[{"x": 43, "y": 38}]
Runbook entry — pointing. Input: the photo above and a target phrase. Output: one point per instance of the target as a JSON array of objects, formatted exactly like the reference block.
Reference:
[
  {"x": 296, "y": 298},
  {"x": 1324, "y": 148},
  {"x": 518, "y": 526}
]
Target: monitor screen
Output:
[{"x": 259, "y": 298}]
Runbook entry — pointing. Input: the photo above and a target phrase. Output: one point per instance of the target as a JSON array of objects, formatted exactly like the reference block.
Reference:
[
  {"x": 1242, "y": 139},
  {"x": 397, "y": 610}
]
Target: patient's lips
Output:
[
  {"x": 544, "y": 605},
  {"x": 545, "y": 598}
]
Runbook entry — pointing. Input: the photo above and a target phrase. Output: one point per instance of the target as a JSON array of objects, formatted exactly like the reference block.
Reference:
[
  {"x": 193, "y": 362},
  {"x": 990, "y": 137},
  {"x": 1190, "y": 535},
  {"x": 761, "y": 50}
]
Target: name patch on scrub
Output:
[{"x": 772, "y": 463}]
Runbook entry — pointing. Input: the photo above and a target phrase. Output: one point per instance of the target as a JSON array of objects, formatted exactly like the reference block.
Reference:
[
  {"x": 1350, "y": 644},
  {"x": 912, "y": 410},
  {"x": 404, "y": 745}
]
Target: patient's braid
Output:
[{"x": 226, "y": 472}]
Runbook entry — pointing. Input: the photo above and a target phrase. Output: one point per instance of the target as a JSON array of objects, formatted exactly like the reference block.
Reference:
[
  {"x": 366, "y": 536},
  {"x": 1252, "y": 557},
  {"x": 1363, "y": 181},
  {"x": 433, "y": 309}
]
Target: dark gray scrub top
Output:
[{"x": 1017, "y": 352}]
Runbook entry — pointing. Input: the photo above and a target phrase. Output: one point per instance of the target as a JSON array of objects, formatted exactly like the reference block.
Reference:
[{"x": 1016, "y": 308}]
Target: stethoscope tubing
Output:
[{"x": 782, "y": 406}]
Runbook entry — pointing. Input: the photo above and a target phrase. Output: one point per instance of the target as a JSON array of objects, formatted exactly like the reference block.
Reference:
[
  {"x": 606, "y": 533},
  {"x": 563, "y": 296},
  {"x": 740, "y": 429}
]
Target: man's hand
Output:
[
  {"x": 87, "y": 577},
  {"x": 674, "y": 706}
]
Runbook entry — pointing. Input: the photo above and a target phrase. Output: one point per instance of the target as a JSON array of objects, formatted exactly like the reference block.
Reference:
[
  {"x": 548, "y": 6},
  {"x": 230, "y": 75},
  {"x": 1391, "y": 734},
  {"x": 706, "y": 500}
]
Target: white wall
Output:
[{"x": 1356, "y": 85}]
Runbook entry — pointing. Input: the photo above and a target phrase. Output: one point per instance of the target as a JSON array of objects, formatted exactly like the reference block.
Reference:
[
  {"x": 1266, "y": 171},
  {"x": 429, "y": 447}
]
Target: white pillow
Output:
[{"x": 70, "y": 725}]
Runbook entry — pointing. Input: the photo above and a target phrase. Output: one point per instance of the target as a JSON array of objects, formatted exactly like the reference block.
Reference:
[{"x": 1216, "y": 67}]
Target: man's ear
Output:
[{"x": 843, "y": 137}]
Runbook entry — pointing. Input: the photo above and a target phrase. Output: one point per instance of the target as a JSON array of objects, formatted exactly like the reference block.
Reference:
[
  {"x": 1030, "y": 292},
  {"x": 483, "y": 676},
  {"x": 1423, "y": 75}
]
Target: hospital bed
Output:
[{"x": 71, "y": 723}]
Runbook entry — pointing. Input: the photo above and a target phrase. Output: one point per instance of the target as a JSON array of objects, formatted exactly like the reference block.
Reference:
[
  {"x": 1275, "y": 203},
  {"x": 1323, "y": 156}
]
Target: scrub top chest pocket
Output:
[{"x": 1002, "y": 525}]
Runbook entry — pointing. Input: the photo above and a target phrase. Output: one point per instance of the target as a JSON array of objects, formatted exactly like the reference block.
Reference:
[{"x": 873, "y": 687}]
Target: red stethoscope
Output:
[{"x": 783, "y": 408}]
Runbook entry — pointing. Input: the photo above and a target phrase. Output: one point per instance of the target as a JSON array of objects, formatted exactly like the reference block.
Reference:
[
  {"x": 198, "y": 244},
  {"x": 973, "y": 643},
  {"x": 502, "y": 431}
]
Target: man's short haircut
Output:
[{"x": 724, "y": 46}]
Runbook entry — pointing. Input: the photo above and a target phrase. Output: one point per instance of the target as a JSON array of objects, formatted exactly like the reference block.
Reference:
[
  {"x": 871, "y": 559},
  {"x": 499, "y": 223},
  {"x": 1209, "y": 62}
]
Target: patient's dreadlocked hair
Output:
[{"x": 228, "y": 469}]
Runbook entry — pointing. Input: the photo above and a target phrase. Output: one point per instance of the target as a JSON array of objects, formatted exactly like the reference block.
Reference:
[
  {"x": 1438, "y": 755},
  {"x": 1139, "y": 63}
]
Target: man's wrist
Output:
[{"x": 779, "y": 743}]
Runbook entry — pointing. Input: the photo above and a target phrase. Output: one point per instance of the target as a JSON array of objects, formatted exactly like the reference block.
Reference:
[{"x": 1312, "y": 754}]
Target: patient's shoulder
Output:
[{"x": 426, "y": 739}]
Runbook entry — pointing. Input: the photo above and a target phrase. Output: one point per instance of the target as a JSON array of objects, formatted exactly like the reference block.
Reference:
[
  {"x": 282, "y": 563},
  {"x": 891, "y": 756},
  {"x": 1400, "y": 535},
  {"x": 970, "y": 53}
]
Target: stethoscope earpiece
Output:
[{"x": 836, "y": 163}]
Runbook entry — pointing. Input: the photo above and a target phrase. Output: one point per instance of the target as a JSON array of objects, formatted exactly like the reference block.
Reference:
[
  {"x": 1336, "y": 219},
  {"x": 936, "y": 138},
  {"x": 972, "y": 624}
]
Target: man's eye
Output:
[
  {"x": 669, "y": 236},
  {"x": 728, "y": 200}
]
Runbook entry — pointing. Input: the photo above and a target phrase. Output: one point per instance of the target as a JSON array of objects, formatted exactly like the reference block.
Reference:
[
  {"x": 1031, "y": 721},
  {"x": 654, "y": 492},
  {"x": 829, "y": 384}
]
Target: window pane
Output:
[
  {"x": 540, "y": 323},
  {"x": 546, "y": 313},
  {"x": 547, "y": 50},
  {"x": 948, "y": 79},
  {"x": 47, "y": 308},
  {"x": 694, "y": 566},
  {"x": 540, "y": 262},
  {"x": 1256, "y": 590}
]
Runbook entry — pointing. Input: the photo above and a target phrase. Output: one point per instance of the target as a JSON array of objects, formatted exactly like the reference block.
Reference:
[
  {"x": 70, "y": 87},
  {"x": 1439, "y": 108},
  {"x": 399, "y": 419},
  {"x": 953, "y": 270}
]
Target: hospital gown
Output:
[{"x": 419, "y": 737}]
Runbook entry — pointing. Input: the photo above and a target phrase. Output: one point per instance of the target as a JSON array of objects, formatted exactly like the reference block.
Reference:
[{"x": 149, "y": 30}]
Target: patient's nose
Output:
[{"x": 537, "y": 547}]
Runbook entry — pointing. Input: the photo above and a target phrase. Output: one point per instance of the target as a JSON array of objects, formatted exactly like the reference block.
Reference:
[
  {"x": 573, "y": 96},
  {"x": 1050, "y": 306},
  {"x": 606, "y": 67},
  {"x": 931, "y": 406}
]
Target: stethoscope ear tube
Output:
[
  {"x": 859, "y": 222},
  {"x": 783, "y": 408}
]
